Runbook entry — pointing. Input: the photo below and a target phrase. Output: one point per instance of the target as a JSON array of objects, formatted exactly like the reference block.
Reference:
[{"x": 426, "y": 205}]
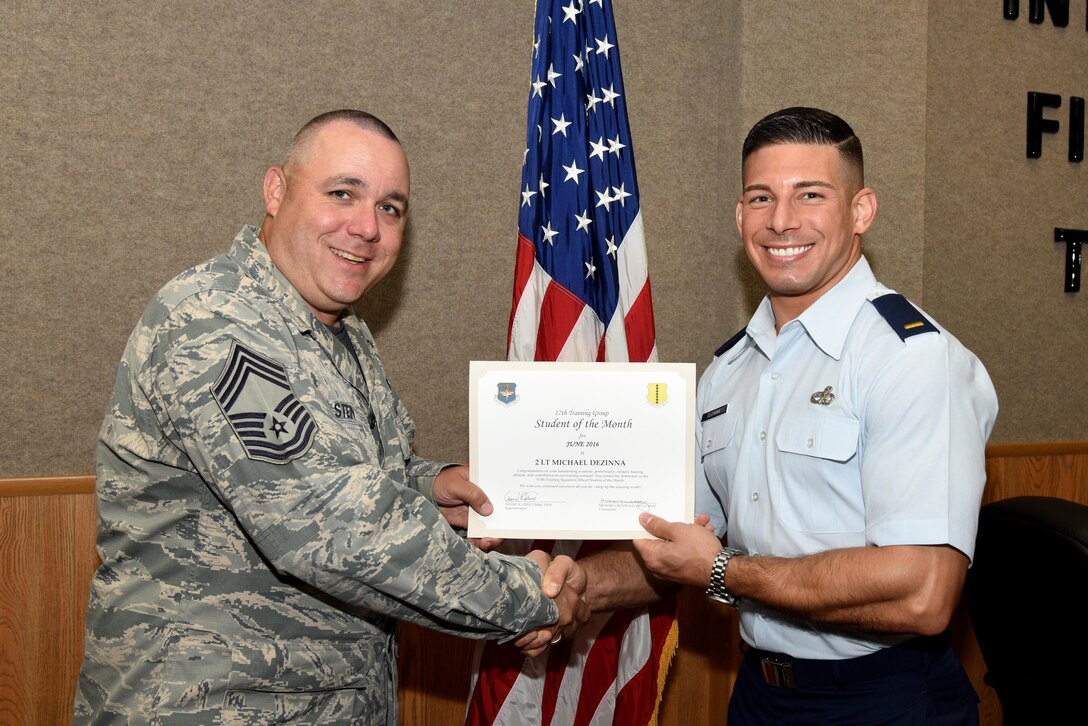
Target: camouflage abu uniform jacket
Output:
[{"x": 258, "y": 537}]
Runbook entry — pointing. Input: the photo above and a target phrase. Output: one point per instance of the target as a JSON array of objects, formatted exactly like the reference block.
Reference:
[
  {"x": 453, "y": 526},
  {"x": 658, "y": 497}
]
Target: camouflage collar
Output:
[{"x": 252, "y": 256}]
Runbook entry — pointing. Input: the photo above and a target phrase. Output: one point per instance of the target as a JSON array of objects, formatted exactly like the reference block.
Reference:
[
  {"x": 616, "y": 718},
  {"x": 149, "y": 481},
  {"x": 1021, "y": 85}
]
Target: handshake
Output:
[
  {"x": 678, "y": 554},
  {"x": 564, "y": 581}
]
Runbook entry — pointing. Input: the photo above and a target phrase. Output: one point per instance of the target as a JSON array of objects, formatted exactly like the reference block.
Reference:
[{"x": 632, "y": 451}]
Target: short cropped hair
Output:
[
  {"x": 362, "y": 119},
  {"x": 803, "y": 125}
]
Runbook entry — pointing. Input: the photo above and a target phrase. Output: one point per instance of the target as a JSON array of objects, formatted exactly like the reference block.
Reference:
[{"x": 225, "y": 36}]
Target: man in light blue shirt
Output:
[{"x": 841, "y": 455}]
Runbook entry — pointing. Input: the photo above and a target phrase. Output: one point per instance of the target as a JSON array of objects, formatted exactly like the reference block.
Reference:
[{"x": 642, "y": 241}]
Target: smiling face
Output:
[
  {"x": 801, "y": 217},
  {"x": 336, "y": 214}
]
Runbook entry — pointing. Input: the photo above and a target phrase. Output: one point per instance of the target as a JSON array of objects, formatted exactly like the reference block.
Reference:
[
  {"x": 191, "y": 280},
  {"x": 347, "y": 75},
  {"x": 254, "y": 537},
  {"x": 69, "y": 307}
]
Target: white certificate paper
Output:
[{"x": 579, "y": 450}]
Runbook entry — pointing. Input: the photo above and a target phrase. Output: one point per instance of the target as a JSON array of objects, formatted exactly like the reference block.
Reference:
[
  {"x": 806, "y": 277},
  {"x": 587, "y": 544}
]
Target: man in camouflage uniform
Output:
[{"x": 263, "y": 520}]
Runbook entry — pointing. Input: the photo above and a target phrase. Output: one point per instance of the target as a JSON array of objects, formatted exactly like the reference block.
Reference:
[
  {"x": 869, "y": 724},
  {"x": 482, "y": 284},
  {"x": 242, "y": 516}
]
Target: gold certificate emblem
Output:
[{"x": 657, "y": 393}]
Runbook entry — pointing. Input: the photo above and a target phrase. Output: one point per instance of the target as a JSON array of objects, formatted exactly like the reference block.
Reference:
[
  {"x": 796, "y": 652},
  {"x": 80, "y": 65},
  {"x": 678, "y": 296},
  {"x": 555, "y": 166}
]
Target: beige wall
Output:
[
  {"x": 134, "y": 137},
  {"x": 992, "y": 269}
]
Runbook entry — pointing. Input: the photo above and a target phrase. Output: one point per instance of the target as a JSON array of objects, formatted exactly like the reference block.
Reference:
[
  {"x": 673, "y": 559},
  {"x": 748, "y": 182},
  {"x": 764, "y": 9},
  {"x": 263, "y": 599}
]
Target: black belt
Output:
[{"x": 783, "y": 671}]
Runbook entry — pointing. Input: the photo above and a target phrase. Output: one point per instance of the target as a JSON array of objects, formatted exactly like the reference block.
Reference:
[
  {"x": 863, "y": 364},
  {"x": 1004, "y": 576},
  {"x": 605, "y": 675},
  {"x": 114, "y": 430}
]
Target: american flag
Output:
[
  {"x": 581, "y": 293},
  {"x": 581, "y": 289}
]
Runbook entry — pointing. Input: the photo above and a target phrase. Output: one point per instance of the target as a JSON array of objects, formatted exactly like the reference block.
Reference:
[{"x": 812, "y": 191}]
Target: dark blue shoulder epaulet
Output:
[
  {"x": 731, "y": 342},
  {"x": 905, "y": 319}
]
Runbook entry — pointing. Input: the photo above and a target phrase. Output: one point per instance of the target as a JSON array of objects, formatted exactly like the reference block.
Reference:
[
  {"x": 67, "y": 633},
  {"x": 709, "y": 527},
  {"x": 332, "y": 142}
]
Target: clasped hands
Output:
[
  {"x": 563, "y": 580},
  {"x": 683, "y": 553}
]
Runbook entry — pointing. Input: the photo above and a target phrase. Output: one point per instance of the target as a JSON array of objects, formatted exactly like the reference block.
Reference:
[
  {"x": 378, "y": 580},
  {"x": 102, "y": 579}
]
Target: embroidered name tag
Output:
[
  {"x": 715, "y": 412},
  {"x": 343, "y": 411}
]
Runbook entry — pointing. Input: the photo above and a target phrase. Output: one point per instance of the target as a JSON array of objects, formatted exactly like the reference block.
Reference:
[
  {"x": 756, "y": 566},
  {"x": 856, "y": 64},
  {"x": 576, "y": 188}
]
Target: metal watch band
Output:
[{"x": 717, "y": 590}]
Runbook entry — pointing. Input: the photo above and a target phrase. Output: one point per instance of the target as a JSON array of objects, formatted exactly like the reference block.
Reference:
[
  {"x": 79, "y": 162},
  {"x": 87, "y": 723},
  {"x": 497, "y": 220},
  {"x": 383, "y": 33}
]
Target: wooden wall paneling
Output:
[
  {"x": 434, "y": 676},
  {"x": 47, "y": 557},
  {"x": 705, "y": 666},
  {"x": 1013, "y": 471}
]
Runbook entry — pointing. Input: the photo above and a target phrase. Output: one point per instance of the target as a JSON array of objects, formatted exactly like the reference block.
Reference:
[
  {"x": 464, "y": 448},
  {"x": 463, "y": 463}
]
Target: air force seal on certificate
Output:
[
  {"x": 256, "y": 397},
  {"x": 657, "y": 393},
  {"x": 507, "y": 393}
]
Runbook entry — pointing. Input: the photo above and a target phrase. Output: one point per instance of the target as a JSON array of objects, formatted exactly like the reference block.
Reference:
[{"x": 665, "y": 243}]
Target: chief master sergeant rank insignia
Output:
[{"x": 264, "y": 412}]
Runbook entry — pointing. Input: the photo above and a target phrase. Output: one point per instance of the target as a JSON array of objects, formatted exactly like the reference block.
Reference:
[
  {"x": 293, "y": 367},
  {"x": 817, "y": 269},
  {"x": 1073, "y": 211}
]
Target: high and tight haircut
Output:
[
  {"x": 362, "y": 119},
  {"x": 804, "y": 125}
]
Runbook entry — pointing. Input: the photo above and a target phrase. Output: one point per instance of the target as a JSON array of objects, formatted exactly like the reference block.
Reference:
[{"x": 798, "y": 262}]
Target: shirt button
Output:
[
  {"x": 809, "y": 443},
  {"x": 775, "y": 376},
  {"x": 755, "y": 496},
  {"x": 762, "y": 435}
]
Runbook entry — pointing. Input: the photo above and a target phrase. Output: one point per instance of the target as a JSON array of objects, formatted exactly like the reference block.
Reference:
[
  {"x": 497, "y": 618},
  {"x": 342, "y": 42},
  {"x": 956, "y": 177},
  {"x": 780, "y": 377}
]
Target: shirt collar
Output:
[
  {"x": 252, "y": 256},
  {"x": 250, "y": 253},
  {"x": 827, "y": 321}
]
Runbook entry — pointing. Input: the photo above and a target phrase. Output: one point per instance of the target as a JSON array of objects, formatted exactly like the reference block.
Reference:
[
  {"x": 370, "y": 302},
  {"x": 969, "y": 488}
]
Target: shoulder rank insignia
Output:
[
  {"x": 905, "y": 319},
  {"x": 264, "y": 412},
  {"x": 731, "y": 342}
]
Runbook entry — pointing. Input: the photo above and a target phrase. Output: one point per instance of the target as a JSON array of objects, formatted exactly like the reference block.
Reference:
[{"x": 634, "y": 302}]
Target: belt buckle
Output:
[{"x": 776, "y": 673}]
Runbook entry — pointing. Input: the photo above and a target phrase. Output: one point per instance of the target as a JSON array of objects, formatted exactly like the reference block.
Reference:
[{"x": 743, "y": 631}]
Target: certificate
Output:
[{"x": 579, "y": 450}]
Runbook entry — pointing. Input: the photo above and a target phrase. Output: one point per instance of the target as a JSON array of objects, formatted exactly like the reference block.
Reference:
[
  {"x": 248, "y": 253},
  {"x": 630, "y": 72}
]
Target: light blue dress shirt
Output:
[{"x": 835, "y": 432}]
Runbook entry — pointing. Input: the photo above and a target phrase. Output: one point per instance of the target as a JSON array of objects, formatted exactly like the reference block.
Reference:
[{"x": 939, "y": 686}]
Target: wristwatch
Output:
[{"x": 717, "y": 590}]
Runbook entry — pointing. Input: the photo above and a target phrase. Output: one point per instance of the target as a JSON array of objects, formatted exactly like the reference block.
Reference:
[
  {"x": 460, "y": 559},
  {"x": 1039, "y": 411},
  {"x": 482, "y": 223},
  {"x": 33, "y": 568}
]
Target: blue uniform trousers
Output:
[{"x": 915, "y": 683}]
